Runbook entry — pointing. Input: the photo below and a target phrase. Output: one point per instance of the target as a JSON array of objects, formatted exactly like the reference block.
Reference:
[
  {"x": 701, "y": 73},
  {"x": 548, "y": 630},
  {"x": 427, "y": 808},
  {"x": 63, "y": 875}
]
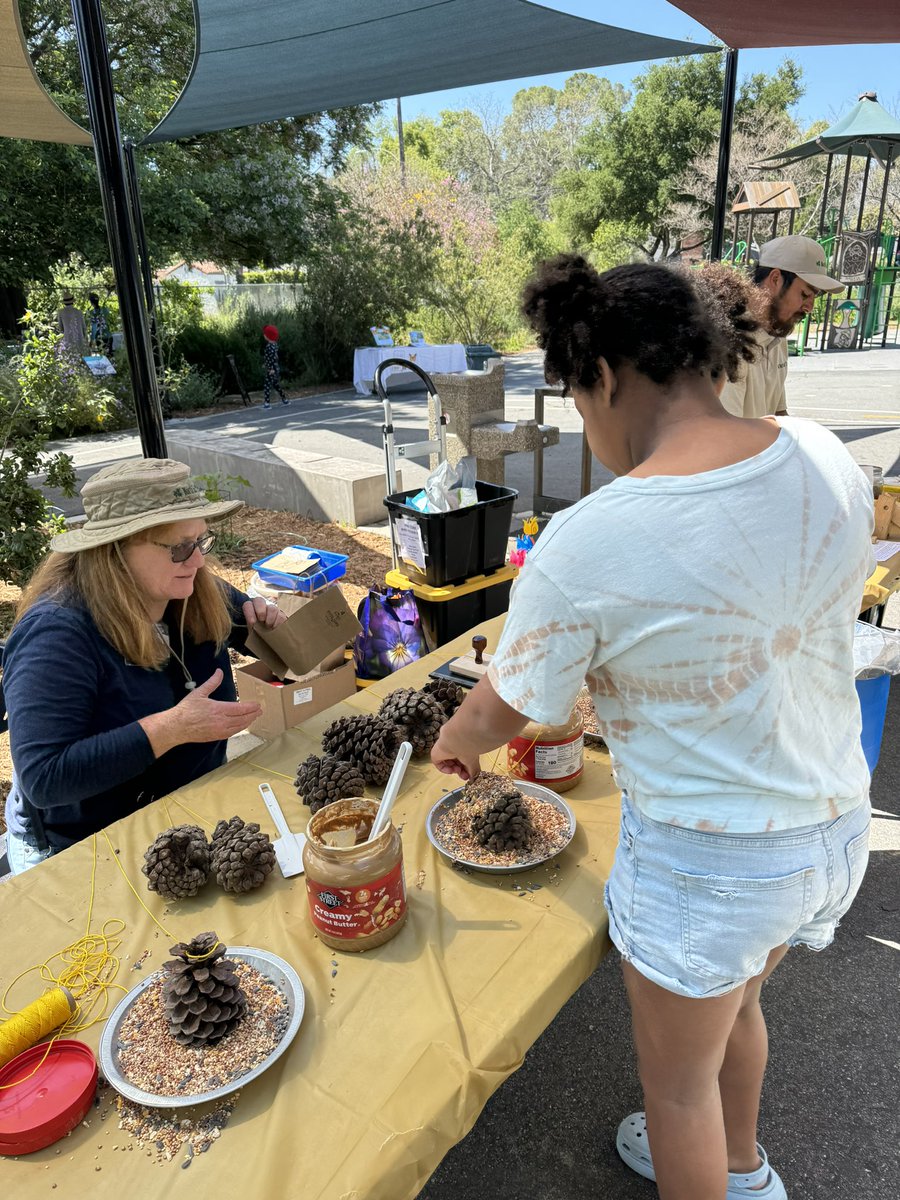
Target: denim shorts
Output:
[{"x": 698, "y": 913}]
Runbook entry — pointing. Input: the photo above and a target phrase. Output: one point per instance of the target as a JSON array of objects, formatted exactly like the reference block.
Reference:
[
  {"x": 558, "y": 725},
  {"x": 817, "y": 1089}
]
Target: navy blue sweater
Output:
[{"x": 80, "y": 758}]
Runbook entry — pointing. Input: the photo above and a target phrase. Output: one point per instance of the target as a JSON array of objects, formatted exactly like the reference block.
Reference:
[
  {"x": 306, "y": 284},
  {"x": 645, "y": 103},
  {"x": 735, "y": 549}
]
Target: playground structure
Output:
[
  {"x": 866, "y": 259},
  {"x": 760, "y": 198}
]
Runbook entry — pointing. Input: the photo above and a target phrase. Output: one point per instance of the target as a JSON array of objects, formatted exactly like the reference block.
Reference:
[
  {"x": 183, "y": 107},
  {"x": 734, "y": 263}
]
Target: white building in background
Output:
[
  {"x": 204, "y": 274},
  {"x": 219, "y": 288}
]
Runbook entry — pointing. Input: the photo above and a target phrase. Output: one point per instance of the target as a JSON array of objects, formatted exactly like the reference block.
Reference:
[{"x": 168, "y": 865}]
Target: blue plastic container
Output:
[
  {"x": 330, "y": 568},
  {"x": 873, "y": 698}
]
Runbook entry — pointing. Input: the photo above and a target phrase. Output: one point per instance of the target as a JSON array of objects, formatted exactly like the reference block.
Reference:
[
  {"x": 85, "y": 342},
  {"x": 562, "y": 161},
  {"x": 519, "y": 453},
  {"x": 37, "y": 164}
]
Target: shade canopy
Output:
[
  {"x": 262, "y": 61},
  {"x": 866, "y": 129},
  {"x": 26, "y": 111},
  {"x": 763, "y": 23}
]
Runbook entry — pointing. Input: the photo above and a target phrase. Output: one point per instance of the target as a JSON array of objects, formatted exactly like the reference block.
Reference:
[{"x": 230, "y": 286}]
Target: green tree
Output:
[
  {"x": 254, "y": 195},
  {"x": 633, "y": 164}
]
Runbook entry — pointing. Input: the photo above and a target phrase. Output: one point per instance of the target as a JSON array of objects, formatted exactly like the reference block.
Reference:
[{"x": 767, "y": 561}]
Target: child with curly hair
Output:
[{"x": 722, "y": 681}]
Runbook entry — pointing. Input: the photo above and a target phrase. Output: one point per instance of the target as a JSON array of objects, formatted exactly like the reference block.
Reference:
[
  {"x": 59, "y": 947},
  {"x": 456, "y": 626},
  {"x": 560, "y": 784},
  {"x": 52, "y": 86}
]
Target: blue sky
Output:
[{"x": 834, "y": 75}]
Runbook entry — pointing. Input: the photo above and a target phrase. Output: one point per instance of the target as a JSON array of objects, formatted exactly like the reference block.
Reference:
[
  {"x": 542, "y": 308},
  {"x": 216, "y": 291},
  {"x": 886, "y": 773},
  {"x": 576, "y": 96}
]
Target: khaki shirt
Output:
[{"x": 759, "y": 392}]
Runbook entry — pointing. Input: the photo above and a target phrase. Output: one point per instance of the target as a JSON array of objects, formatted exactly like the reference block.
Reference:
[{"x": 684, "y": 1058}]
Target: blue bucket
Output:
[{"x": 873, "y": 698}]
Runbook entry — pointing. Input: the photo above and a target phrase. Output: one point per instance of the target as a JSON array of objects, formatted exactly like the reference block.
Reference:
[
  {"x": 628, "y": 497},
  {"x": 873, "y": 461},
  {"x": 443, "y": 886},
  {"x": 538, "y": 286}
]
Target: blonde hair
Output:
[{"x": 100, "y": 579}]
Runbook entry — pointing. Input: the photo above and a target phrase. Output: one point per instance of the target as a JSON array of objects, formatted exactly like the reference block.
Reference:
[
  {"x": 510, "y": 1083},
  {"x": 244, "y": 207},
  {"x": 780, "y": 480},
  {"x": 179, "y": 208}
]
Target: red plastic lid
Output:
[{"x": 37, "y": 1112}]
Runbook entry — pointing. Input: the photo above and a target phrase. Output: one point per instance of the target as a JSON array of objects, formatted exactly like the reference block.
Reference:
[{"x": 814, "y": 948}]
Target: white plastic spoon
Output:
[{"x": 404, "y": 754}]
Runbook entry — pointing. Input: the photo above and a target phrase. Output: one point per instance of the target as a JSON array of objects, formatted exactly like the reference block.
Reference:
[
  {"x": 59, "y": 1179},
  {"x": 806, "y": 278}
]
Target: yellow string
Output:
[
  {"x": 521, "y": 756},
  {"x": 159, "y": 924},
  {"x": 168, "y": 813},
  {"x": 88, "y": 967},
  {"x": 269, "y": 770},
  {"x": 190, "y": 812}
]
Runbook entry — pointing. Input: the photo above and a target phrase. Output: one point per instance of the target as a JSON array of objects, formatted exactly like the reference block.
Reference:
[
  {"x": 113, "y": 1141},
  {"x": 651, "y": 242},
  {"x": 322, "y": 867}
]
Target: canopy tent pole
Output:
[
  {"x": 140, "y": 233},
  {"x": 729, "y": 91},
  {"x": 93, "y": 53}
]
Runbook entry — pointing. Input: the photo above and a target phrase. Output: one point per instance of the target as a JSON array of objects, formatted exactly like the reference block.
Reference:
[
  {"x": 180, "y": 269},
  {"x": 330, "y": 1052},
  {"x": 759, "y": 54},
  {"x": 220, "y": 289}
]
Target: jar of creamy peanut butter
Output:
[{"x": 356, "y": 889}]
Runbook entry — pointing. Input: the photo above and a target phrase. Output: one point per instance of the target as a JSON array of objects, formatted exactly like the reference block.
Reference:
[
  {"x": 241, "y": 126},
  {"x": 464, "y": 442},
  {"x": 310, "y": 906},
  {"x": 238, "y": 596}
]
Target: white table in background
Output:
[{"x": 449, "y": 358}]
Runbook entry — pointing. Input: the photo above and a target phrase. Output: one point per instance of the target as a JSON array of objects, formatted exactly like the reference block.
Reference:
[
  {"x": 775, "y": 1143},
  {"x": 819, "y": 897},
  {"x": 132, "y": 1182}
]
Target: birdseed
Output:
[
  {"x": 453, "y": 826},
  {"x": 584, "y": 706},
  {"x": 150, "y": 1058},
  {"x": 166, "y": 1131}
]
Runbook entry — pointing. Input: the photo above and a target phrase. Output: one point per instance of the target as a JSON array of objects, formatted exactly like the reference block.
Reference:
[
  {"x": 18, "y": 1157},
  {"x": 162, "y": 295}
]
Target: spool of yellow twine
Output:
[{"x": 34, "y": 1022}]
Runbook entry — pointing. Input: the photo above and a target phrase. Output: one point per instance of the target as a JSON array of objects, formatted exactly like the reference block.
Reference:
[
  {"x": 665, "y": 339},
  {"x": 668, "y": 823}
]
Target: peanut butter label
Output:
[
  {"x": 357, "y": 912},
  {"x": 559, "y": 761}
]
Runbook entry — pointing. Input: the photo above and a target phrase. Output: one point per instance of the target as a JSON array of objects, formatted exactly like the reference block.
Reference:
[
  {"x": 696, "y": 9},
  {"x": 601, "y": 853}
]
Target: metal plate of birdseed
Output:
[
  {"x": 275, "y": 970},
  {"x": 459, "y": 858}
]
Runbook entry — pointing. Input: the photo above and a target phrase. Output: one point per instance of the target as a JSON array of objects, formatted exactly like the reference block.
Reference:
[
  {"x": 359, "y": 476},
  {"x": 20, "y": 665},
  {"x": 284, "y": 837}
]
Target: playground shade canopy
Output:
[
  {"x": 281, "y": 58},
  {"x": 763, "y": 23},
  {"x": 866, "y": 129},
  {"x": 26, "y": 111}
]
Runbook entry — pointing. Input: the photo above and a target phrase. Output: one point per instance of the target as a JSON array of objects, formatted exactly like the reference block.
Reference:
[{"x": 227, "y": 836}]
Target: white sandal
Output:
[{"x": 634, "y": 1150}]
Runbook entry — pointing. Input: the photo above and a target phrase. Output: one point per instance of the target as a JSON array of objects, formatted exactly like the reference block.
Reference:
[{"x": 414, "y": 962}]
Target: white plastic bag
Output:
[
  {"x": 875, "y": 651},
  {"x": 447, "y": 488}
]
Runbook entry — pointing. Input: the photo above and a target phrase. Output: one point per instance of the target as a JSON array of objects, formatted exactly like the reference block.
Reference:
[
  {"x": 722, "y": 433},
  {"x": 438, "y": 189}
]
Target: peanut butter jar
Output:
[
  {"x": 551, "y": 755},
  {"x": 356, "y": 889}
]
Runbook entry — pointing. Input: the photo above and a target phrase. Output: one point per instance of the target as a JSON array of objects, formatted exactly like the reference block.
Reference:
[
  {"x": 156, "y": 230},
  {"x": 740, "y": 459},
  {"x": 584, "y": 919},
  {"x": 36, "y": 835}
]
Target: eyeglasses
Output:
[{"x": 182, "y": 551}]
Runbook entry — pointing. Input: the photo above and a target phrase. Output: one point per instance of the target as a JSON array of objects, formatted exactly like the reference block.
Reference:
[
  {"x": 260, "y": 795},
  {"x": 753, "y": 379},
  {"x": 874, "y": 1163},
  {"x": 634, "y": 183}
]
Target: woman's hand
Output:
[
  {"x": 482, "y": 723},
  {"x": 198, "y": 718},
  {"x": 262, "y": 612}
]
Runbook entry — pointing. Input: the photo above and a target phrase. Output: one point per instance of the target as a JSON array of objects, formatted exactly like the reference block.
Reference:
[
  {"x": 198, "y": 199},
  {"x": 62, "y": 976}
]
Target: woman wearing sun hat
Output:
[{"x": 116, "y": 674}]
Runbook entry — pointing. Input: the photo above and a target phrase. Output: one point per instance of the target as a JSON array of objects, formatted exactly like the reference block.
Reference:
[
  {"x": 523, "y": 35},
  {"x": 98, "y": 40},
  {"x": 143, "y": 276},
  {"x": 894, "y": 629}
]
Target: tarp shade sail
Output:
[
  {"x": 763, "y": 23},
  {"x": 26, "y": 110},
  {"x": 866, "y": 129},
  {"x": 262, "y": 61}
]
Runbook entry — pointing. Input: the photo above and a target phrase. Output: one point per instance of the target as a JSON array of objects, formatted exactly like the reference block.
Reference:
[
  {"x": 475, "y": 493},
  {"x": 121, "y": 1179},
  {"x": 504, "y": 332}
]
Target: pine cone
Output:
[
  {"x": 370, "y": 743},
  {"x": 418, "y": 716},
  {"x": 447, "y": 693},
  {"x": 321, "y": 781},
  {"x": 501, "y": 821},
  {"x": 241, "y": 855},
  {"x": 202, "y": 996},
  {"x": 177, "y": 863}
]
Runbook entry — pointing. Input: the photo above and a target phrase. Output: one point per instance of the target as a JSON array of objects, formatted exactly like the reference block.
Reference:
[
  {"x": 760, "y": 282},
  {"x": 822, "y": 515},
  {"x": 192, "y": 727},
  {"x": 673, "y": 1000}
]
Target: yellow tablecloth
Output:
[{"x": 398, "y": 1051}]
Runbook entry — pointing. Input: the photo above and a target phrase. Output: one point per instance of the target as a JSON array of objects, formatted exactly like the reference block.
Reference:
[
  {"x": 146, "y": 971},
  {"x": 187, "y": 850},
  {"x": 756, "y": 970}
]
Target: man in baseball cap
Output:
[{"x": 791, "y": 273}]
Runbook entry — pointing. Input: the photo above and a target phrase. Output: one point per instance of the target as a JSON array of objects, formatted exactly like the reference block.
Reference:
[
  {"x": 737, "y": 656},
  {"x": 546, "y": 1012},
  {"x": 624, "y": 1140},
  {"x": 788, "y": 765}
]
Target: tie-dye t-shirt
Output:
[{"x": 712, "y": 616}]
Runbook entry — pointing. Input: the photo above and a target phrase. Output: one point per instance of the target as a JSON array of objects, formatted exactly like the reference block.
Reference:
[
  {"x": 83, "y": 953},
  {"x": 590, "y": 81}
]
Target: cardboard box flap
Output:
[{"x": 307, "y": 637}]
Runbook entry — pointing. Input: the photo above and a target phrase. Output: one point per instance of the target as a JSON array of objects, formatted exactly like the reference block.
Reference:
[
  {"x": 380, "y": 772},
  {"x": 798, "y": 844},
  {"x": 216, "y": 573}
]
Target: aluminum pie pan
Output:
[
  {"x": 450, "y": 799},
  {"x": 275, "y": 969}
]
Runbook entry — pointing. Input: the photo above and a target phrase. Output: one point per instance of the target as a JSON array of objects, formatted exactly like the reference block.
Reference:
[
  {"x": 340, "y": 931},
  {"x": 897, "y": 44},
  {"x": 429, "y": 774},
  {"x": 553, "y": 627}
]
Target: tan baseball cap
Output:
[
  {"x": 125, "y": 498},
  {"x": 803, "y": 257}
]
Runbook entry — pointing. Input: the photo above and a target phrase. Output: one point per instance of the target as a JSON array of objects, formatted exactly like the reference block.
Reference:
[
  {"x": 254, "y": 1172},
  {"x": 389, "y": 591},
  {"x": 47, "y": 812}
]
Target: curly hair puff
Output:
[
  {"x": 738, "y": 308},
  {"x": 645, "y": 314}
]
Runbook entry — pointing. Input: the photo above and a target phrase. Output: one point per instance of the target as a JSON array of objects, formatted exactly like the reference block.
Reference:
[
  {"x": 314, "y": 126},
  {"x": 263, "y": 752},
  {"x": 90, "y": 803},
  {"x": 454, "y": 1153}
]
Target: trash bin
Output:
[
  {"x": 477, "y": 356},
  {"x": 448, "y": 548},
  {"x": 873, "y": 698}
]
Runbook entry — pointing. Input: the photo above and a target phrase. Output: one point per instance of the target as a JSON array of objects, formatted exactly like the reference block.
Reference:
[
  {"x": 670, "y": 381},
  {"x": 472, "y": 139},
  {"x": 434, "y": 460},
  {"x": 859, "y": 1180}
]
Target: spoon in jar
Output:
[{"x": 390, "y": 792}]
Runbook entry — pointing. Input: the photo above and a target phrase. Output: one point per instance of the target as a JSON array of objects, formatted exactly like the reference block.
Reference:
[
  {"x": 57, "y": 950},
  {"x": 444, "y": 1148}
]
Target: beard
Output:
[{"x": 778, "y": 326}]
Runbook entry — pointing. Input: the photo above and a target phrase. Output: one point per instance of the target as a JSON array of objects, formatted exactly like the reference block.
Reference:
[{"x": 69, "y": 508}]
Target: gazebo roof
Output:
[{"x": 866, "y": 129}]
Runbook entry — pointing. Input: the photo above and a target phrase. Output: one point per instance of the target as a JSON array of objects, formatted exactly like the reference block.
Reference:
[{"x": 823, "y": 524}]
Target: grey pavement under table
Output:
[{"x": 830, "y": 1112}]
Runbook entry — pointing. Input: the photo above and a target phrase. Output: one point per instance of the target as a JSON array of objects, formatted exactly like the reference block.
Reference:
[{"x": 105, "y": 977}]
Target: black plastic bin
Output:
[
  {"x": 468, "y": 541},
  {"x": 477, "y": 356}
]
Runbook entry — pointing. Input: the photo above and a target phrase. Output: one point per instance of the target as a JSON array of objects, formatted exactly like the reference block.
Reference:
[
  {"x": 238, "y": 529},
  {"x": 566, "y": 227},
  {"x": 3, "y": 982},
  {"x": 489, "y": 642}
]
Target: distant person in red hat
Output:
[{"x": 271, "y": 366}]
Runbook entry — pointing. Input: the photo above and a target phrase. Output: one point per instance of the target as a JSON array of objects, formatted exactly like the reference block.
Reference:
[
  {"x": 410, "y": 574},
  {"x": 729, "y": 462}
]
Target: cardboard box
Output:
[
  {"x": 306, "y": 652},
  {"x": 307, "y": 637},
  {"x": 294, "y": 701}
]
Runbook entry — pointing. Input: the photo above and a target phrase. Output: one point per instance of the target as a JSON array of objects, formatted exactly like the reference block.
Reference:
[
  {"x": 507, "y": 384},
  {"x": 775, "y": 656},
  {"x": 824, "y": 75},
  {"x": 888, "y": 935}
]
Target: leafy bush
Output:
[
  {"x": 190, "y": 389},
  {"x": 35, "y": 395}
]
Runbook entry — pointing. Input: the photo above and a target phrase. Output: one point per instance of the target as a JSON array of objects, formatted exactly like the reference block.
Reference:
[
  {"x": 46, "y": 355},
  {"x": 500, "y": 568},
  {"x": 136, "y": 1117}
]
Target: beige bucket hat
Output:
[{"x": 128, "y": 497}]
